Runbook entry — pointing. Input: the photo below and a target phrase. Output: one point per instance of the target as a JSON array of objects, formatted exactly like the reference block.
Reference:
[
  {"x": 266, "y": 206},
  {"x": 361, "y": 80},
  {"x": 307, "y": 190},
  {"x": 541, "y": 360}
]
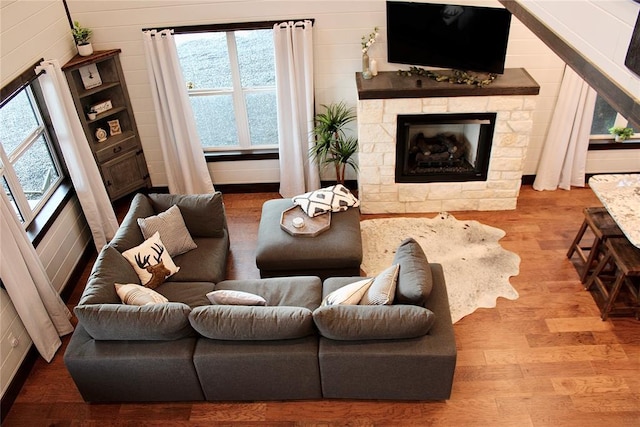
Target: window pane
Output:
[
  {"x": 36, "y": 171},
  {"x": 204, "y": 59},
  {"x": 263, "y": 119},
  {"x": 5, "y": 188},
  {"x": 17, "y": 121},
  {"x": 604, "y": 117},
  {"x": 256, "y": 57},
  {"x": 215, "y": 120}
]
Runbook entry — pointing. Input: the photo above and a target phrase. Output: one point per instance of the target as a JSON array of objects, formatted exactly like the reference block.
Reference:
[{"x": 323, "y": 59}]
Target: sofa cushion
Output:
[
  {"x": 294, "y": 291},
  {"x": 414, "y": 278},
  {"x": 367, "y": 322},
  {"x": 203, "y": 213},
  {"x": 173, "y": 232},
  {"x": 229, "y": 297},
  {"x": 207, "y": 262},
  {"x": 336, "y": 198},
  {"x": 129, "y": 234},
  {"x": 349, "y": 294},
  {"x": 151, "y": 255},
  {"x": 246, "y": 323},
  {"x": 132, "y": 294},
  {"x": 110, "y": 268},
  {"x": 382, "y": 290},
  {"x": 168, "y": 321},
  {"x": 193, "y": 294}
]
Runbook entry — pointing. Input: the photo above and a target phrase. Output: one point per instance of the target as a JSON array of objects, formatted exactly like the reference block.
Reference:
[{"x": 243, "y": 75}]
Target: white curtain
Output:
[
  {"x": 184, "y": 160},
  {"x": 75, "y": 149},
  {"x": 564, "y": 155},
  {"x": 294, "y": 81},
  {"x": 39, "y": 306}
]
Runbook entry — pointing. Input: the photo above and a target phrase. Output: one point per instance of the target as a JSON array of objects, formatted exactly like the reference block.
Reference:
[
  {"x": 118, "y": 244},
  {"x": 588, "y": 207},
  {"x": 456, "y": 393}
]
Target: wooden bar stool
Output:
[
  {"x": 620, "y": 296},
  {"x": 603, "y": 227}
]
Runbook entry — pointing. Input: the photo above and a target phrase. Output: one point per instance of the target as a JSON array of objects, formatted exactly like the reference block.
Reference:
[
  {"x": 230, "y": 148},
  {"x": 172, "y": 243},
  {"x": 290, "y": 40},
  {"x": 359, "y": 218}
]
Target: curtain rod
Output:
[
  {"x": 23, "y": 80},
  {"x": 185, "y": 29}
]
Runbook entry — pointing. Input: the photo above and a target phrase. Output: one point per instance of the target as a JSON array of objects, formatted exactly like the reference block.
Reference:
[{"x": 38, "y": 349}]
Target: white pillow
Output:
[
  {"x": 349, "y": 294},
  {"x": 133, "y": 294},
  {"x": 173, "y": 231},
  {"x": 336, "y": 198},
  {"x": 229, "y": 297},
  {"x": 147, "y": 256},
  {"x": 383, "y": 289}
]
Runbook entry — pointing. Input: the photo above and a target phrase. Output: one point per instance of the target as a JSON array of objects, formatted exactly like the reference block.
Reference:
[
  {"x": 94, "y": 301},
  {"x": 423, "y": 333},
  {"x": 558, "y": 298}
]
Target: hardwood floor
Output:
[{"x": 545, "y": 359}]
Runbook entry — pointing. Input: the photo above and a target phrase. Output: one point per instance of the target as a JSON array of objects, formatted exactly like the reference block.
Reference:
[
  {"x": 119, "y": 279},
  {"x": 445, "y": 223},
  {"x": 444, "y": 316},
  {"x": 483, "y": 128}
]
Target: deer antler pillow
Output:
[{"x": 151, "y": 261}]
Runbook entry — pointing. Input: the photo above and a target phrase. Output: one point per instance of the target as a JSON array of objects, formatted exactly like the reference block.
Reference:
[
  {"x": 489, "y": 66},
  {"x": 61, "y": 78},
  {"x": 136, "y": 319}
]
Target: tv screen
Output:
[{"x": 469, "y": 38}]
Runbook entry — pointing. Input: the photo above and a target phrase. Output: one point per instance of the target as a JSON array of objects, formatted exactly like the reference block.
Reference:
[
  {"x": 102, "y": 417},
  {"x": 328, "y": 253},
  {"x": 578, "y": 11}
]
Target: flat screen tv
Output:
[{"x": 469, "y": 38}]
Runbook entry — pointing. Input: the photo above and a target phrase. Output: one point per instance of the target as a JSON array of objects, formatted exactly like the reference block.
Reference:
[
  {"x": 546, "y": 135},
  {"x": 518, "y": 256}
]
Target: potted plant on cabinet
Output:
[
  {"x": 81, "y": 35},
  {"x": 621, "y": 133},
  {"x": 332, "y": 145}
]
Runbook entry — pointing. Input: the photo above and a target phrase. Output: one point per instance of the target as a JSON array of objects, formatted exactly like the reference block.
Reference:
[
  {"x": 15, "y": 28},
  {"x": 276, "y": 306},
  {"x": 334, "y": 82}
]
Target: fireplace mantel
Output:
[{"x": 388, "y": 84}]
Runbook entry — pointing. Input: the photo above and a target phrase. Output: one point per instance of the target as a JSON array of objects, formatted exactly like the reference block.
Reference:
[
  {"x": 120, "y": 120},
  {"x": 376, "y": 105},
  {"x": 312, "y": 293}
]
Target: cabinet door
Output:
[{"x": 124, "y": 174}]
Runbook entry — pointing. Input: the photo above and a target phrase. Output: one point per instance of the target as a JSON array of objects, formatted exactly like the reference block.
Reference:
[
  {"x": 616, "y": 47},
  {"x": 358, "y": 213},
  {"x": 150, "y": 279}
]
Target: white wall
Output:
[
  {"x": 30, "y": 30},
  {"x": 339, "y": 26}
]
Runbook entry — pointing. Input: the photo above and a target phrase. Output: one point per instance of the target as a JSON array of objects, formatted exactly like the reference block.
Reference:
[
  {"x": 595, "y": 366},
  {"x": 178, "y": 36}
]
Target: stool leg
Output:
[
  {"x": 595, "y": 248},
  {"x": 603, "y": 262},
  {"x": 620, "y": 277},
  {"x": 577, "y": 240}
]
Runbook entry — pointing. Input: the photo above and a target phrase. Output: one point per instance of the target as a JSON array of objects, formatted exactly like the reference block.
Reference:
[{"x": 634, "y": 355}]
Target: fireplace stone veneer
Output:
[{"x": 383, "y": 98}]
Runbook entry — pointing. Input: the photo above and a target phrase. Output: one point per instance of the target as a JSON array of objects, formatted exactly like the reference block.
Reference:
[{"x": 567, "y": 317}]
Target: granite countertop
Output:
[{"x": 620, "y": 194}]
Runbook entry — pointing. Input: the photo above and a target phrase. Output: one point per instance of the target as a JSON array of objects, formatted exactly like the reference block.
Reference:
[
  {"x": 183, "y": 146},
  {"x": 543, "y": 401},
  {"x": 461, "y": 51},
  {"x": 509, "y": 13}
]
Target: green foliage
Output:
[
  {"x": 81, "y": 34},
  {"x": 622, "y": 132},
  {"x": 332, "y": 145}
]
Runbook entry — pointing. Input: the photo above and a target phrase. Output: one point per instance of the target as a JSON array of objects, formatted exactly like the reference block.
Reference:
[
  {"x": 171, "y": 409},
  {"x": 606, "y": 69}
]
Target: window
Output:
[
  {"x": 605, "y": 117},
  {"x": 230, "y": 76},
  {"x": 30, "y": 169}
]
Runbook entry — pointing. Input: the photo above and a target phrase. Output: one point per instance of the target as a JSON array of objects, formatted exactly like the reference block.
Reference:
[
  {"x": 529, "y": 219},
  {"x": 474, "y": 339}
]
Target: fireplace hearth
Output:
[{"x": 443, "y": 147}]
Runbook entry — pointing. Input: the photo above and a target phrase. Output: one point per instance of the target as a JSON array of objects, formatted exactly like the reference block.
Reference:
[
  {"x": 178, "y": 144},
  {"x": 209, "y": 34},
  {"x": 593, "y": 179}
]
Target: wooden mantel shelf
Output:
[{"x": 388, "y": 84}]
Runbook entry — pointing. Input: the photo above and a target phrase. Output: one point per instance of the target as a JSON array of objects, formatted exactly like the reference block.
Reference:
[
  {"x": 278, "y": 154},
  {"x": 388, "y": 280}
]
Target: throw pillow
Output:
[
  {"x": 349, "y": 294},
  {"x": 240, "y": 323},
  {"x": 151, "y": 261},
  {"x": 203, "y": 214},
  {"x": 132, "y": 294},
  {"x": 382, "y": 290},
  {"x": 336, "y": 198},
  {"x": 414, "y": 278},
  {"x": 173, "y": 231},
  {"x": 361, "y": 322},
  {"x": 228, "y": 297}
]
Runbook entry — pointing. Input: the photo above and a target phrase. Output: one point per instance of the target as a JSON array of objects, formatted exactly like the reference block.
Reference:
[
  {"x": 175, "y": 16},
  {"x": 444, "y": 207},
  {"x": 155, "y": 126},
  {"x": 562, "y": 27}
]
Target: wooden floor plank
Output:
[{"x": 545, "y": 359}]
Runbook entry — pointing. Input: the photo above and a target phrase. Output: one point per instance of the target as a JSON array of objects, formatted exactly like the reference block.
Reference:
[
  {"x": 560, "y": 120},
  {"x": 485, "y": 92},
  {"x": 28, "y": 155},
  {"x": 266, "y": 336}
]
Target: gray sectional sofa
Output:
[{"x": 189, "y": 349}]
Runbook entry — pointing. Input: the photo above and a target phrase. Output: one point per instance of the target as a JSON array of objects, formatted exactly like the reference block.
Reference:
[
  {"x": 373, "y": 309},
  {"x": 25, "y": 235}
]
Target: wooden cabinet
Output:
[{"x": 97, "y": 84}]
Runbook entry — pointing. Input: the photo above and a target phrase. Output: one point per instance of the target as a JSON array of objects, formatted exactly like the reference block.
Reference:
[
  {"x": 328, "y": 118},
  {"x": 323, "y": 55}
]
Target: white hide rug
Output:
[{"x": 476, "y": 267}]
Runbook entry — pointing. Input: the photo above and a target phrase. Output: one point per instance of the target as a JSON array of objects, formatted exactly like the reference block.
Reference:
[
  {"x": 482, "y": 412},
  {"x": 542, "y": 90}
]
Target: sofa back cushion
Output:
[
  {"x": 168, "y": 321},
  {"x": 203, "y": 214},
  {"x": 414, "y": 277},
  {"x": 110, "y": 268},
  {"x": 129, "y": 234},
  {"x": 370, "y": 322},
  {"x": 250, "y": 323}
]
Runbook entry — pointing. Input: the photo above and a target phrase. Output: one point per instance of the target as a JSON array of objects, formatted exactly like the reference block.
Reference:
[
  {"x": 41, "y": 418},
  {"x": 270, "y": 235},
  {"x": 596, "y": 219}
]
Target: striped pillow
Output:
[
  {"x": 383, "y": 289},
  {"x": 132, "y": 294},
  {"x": 172, "y": 229}
]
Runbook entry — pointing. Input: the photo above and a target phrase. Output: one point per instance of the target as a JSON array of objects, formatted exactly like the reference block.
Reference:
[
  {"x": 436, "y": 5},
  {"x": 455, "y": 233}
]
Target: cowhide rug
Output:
[{"x": 476, "y": 267}]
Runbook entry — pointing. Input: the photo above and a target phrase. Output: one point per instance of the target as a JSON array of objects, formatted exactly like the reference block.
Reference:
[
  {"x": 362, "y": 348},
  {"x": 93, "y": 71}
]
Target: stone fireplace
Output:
[{"x": 472, "y": 160}]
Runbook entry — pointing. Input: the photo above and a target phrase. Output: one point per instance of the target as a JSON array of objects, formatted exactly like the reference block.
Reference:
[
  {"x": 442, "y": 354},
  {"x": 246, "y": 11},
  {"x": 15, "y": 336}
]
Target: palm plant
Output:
[{"x": 332, "y": 145}]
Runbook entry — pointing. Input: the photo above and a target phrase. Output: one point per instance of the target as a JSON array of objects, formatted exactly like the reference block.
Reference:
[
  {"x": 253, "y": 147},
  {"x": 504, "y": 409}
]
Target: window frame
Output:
[
  {"x": 237, "y": 92},
  {"x": 607, "y": 141},
  {"x": 39, "y": 218}
]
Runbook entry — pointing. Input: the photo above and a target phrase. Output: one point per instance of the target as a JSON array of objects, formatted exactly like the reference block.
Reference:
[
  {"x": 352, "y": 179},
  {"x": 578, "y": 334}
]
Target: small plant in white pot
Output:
[
  {"x": 621, "y": 133},
  {"x": 81, "y": 35}
]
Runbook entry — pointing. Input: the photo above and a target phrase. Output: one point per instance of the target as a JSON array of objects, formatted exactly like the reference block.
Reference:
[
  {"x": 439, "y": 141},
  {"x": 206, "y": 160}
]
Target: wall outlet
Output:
[{"x": 13, "y": 341}]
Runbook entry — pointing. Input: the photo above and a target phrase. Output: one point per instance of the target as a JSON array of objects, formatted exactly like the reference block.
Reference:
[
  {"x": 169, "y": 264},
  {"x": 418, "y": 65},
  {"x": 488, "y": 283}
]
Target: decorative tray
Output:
[{"x": 312, "y": 225}]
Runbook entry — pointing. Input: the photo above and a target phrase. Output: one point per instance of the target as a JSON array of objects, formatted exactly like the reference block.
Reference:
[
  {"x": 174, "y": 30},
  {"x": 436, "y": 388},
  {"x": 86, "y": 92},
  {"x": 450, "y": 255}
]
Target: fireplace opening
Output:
[{"x": 443, "y": 147}]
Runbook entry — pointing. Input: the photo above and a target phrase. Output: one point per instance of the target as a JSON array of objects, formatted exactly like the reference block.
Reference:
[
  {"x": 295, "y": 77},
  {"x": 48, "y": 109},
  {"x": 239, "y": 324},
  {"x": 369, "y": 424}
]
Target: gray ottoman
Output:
[{"x": 335, "y": 252}]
